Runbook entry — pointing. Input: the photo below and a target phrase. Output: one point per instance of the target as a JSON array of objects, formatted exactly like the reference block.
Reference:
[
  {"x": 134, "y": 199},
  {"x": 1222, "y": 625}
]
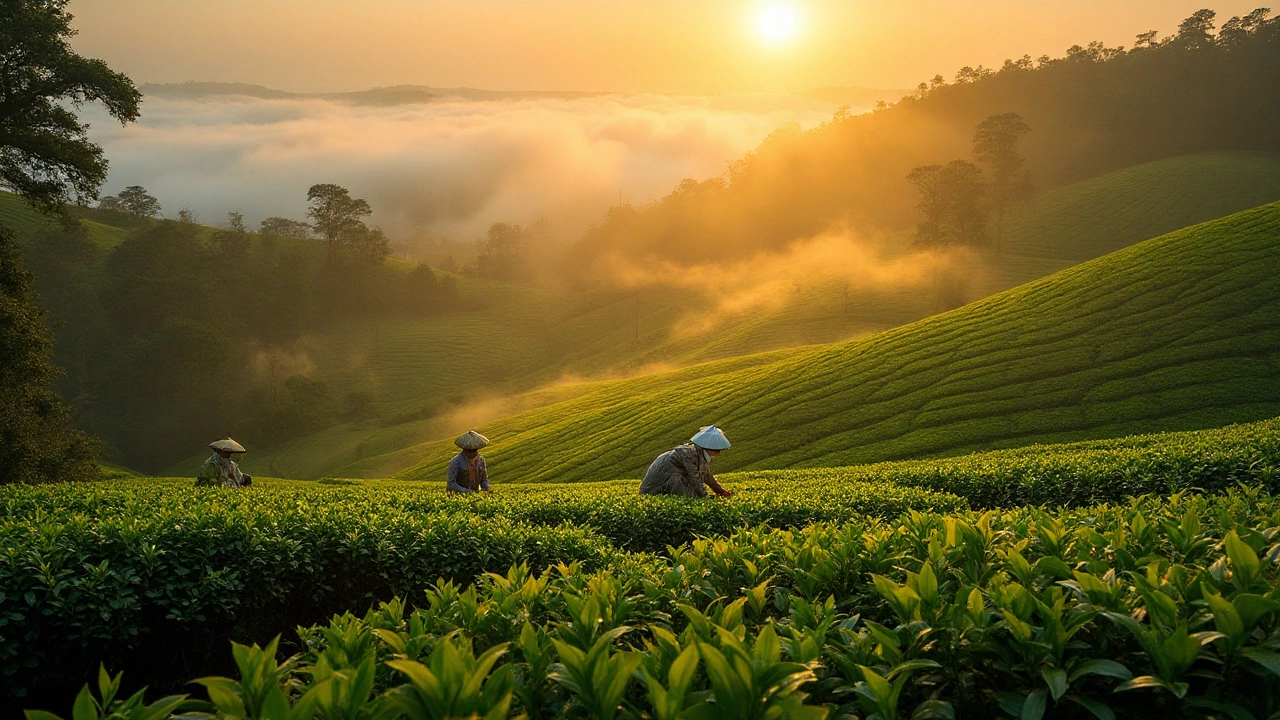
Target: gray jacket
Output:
[{"x": 684, "y": 470}]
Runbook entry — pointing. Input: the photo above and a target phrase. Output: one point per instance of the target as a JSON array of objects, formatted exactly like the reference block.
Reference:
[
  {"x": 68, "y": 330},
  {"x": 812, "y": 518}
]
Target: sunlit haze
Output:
[
  {"x": 778, "y": 22},
  {"x": 664, "y": 46},
  {"x": 683, "y": 88}
]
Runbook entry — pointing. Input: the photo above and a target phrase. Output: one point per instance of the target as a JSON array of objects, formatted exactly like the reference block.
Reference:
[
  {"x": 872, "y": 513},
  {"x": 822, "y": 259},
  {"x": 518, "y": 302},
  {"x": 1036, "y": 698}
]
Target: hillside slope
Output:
[
  {"x": 1179, "y": 332},
  {"x": 18, "y": 216},
  {"x": 1055, "y": 230}
]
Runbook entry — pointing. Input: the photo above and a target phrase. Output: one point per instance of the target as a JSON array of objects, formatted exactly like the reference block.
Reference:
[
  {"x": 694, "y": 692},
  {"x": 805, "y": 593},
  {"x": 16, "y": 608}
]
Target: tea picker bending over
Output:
[
  {"x": 686, "y": 470},
  {"x": 220, "y": 469},
  {"x": 467, "y": 472}
]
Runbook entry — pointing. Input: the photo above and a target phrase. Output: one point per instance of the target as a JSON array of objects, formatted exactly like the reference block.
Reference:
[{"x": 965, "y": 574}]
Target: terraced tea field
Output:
[
  {"x": 824, "y": 584},
  {"x": 1058, "y": 229},
  {"x": 1180, "y": 331}
]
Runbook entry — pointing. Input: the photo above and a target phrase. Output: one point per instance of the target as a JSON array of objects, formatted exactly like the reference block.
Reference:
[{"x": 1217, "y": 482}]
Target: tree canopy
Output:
[
  {"x": 45, "y": 154},
  {"x": 333, "y": 212},
  {"x": 134, "y": 200},
  {"x": 1094, "y": 110},
  {"x": 46, "y": 157}
]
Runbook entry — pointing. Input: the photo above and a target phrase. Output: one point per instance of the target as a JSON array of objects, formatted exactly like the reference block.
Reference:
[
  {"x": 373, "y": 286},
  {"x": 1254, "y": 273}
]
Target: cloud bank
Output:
[{"x": 447, "y": 168}]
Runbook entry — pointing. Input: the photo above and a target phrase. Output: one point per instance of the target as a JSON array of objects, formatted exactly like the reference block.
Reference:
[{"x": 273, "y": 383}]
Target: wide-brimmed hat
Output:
[
  {"x": 471, "y": 440},
  {"x": 710, "y": 438},
  {"x": 227, "y": 444}
]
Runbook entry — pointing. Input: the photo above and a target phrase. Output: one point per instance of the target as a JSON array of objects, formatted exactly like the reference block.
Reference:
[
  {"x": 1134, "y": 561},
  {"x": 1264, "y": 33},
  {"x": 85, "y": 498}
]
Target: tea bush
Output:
[
  {"x": 1153, "y": 607},
  {"x": 113, "y": 571},
  {"x": 1084, "y": 473}
]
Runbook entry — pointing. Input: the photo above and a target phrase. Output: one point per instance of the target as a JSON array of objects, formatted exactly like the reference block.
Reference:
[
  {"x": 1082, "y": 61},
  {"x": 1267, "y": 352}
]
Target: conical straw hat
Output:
[
  {"x": 471, "y": 440},
  {"x": 227, "y": 444},
  {"x": 710, "y": 438}
]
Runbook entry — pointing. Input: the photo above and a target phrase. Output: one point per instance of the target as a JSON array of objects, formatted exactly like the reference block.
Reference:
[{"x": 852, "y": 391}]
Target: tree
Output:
[
  {"x": 134, "y": 200},
  {"x": 966, "y": 217},
  {"x": 111, "y": 202},
  {"x": 951, "y": 200},
  {"x": 38, "y": 438},
  {"x": 928, "y": 179},
  {"x": 235, "y": 221},
  {"x": 45, "y": 153},
  {"x": 1196, "y": 32},
  {"x": 1147, "y": 39},
  {"x": 504, "y": 255},
  {"x": 1236, "y": 31},
  {"x": 284, "y": 227},
  {"x": 334, "y": 212},
  {"x": 46, "y": 157},
  {"x": 235, "y": 239},
  {"x": 995, "y": 144},
  {"x": 367, "y": 245}
]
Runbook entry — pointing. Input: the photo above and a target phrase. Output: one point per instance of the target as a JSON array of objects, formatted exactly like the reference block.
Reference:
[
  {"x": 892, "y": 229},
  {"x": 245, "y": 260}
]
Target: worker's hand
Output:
[{"x": 726, "y": 494}]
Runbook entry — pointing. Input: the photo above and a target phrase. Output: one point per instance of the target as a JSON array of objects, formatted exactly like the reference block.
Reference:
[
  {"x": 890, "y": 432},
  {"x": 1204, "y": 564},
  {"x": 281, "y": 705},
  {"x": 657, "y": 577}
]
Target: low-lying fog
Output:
[{"x": 446, "y": 168}]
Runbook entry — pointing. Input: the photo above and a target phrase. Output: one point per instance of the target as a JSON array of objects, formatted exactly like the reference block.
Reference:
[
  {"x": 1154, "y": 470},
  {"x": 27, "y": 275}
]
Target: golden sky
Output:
[{"x": 632, "y": 46}]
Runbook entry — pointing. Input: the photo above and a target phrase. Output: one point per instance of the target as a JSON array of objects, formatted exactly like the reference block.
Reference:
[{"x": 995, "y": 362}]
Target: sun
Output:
[{"x": 777, "y": 22}]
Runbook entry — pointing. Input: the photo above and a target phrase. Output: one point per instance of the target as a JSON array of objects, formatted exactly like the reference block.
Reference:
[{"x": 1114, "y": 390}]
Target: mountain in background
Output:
[
  {"x": 375, "y": 97},
  {"x": 858, "y": 97}
]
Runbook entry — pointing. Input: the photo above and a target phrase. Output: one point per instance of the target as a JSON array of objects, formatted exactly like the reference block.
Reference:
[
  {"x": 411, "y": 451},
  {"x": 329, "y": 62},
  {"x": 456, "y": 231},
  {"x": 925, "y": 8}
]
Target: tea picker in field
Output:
[
  {"x": 686, "y": 470},
  {"x": 220, "y": 469},
  {"x": 467, "y": 472}
]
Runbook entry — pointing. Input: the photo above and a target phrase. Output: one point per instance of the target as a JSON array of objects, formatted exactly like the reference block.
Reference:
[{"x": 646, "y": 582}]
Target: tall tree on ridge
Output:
[
  {"x": 138, "y": 201},
  {"x": 47, "y": 158},
  {"x": 1196, "y": 32},
  {"x": 995, "y": 144},
  {"x": 333, "y": 212}
]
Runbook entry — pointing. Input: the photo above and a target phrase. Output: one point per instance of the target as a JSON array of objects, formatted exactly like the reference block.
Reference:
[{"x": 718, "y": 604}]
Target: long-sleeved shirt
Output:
[
  {"x": 467, "y": 475},
  {"x": 218, "y": 470},
  {"x": 685, "y": 470}
]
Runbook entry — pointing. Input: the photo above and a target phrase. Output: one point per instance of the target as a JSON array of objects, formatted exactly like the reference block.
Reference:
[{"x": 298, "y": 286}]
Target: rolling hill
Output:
[
  {"x": 592, "y": 337},
  {"x": 1178, "y": 332},
  {"x": 16, "y": 215},
  {"x": 430, "y": 375}
]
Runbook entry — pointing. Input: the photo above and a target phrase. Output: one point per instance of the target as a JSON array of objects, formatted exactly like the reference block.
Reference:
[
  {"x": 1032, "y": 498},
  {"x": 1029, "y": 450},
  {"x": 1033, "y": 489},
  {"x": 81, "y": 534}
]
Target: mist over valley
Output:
[{"x": 440, "y": 164}]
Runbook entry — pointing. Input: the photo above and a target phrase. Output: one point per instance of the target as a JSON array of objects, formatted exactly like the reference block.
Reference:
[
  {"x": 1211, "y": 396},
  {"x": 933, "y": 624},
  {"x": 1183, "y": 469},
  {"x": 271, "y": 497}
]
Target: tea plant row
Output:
[{"x": 1158, "y": 606}]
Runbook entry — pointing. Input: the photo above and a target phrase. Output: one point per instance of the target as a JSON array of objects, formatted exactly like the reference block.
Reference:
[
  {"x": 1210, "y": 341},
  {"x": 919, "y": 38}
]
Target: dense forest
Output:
[
  {"x": 163, "y": 336},
  {"x": 1094, "y": 110}
]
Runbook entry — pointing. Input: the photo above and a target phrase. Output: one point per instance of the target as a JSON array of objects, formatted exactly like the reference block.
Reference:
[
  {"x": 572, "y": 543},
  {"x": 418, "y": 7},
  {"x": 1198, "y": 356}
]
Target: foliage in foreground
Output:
[
  {"x": 1152, "y": 607},
  {"x": 111, "y": 570},
  {"x": 94, "y": 570}
]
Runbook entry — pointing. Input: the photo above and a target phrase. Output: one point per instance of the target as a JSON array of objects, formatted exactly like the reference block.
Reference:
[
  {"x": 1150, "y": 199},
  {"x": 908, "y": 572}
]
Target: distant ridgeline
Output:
[
  {"x": 1095, "y": 110},
  {"x": 171, "y": 331},
  {"x": 376, "y": 97}
]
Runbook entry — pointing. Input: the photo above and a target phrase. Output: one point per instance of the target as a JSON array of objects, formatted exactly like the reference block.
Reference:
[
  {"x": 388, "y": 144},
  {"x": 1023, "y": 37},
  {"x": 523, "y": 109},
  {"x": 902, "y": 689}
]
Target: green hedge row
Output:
[
  {"x": 1087, "y": 473},
  {"x": 1157, "y": 608},
  {"x": 120, "y": 571},
  {"x": 652, "y": 523},
  {"x": 111, "y": 569}
]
